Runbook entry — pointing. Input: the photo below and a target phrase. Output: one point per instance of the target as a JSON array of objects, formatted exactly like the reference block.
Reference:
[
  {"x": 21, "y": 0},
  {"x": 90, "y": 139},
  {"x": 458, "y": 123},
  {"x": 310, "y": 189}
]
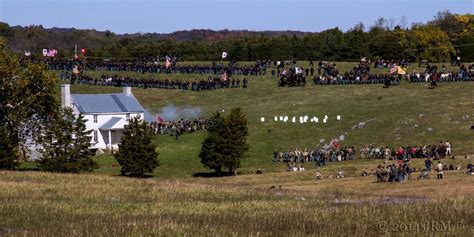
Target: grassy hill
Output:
[
  {"x": 409, "y": 114},
  {"x": 44, "y": 204},
  {"x": 177, "y": 204}
]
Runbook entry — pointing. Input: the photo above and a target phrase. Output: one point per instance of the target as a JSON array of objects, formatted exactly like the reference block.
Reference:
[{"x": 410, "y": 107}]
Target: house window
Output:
[
  {"x": 95, "y": 118},
  {"x": 128, "y": 116},
  {"x": 96, "y": 136}
]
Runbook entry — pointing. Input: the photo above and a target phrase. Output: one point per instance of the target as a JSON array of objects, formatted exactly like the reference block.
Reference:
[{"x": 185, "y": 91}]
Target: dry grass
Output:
[{"x": 43, "y": 204}]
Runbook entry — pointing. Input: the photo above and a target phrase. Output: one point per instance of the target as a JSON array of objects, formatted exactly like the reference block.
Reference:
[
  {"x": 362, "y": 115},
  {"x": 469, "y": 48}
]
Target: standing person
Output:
[
  {"x": 401, "y": 173},
  {"x": 448, "y": 148},
  {"x": 428, "y": 164},
  {"x": 407, "y": 171},
  {"x": 439, "y": 168}
]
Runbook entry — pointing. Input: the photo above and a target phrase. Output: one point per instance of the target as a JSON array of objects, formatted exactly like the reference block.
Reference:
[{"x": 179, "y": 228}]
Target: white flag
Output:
[
  {"x": 224, "y": 54},
  {"x": 298, "y": 70}
]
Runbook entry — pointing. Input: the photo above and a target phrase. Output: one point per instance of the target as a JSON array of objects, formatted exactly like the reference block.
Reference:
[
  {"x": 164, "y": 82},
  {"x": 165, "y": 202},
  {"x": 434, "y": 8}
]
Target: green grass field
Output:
[
  {"x": 409, "y": 114},
  {"x": 174, "y": 203}
]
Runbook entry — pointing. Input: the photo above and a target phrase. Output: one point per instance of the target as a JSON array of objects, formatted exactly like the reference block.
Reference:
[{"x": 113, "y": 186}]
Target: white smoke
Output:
[{"x": 171, "y": 112}]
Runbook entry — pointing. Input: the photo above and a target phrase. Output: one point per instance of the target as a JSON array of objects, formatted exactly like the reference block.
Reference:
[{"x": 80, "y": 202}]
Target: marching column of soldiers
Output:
[
  {"x": 258, "y": 69},
  {"x": 197, "y": 85}
]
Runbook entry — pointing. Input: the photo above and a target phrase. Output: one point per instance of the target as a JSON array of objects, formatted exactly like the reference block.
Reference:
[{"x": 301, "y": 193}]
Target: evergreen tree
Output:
[
  {"x": 211, "y": 149},
  {"x": 236, "y": 139},
  {"x": 8, "y": 153},
  {"x": 65, "y": 146},
  {"x": 226, "y": 142},
  {"x": 137, "y": 155}
]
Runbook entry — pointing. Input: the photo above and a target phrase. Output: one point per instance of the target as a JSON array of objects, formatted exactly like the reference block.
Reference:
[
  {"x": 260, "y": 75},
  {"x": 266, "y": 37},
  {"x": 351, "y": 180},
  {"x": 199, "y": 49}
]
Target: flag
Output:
[
  {"x": 52, "y": 53},
  {"x": 168, "y": 62},
  {"x": 27, "y": 53},
  {"x": 394, "y": 69},
  {"x": 224, "y": 54},
  {"x": 159, "y": 119},
  {"x": 298, "y": 70},
  {"x": 49, "y": 53},
  {"x": 401, "y": 71}
]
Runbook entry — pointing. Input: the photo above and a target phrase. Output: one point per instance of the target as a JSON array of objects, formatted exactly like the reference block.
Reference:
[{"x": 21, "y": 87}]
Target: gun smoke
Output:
[{"x": 171, "y": 112}]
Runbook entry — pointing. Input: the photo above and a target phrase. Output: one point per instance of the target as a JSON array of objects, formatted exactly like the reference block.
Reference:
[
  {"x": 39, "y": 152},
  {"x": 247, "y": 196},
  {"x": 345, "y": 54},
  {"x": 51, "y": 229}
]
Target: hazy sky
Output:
[{"x": 165, "y": 16}]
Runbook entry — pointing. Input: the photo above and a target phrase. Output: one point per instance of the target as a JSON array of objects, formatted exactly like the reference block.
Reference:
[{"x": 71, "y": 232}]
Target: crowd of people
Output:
[
  {"x": 233, "y": 68},
  {"x": 292, "y": 78},
  {"x": 383, "y": 63},
  {"x": 432, "y": 73},
  {"x": 328, "y": 74},
  {"x": 179, "y": 127},
  {"x": 399, "y": 171},
  {"x": 320, "y": 156},
  {"x": 392, "y": 172},
  {"x": 351, "y": 78},
  {"x": 211, "y": 83},
  {"x": 403, "y": 172},
  {"x": 441, "y": 150}
]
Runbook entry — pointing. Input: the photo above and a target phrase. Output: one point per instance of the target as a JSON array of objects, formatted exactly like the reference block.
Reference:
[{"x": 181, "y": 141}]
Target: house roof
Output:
[
  {"x": 106, "y": 103},
  {"x": 114, "y": 123}
]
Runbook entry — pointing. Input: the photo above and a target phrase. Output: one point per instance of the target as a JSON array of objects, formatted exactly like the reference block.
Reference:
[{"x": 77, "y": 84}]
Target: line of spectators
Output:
[
  {"x": 328, "y": 74},
  {"x": 321, "y": 156},
  {"x": 403, "y": 172},
  {"x": 351, "y": 78},
  {"x": 382, "y": 63},
  {"x": 441, "y": 150},
  {"x": 432, "y": 73}
]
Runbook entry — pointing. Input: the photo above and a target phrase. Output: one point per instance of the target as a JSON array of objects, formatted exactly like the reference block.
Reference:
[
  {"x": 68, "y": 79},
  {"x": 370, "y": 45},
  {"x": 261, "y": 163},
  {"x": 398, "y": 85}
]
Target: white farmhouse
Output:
[{"x": 106, "y": 114}]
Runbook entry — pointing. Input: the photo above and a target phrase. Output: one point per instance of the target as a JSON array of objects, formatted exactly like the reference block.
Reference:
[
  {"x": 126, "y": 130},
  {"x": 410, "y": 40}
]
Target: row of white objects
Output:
[{"x": 302, "y": 119}]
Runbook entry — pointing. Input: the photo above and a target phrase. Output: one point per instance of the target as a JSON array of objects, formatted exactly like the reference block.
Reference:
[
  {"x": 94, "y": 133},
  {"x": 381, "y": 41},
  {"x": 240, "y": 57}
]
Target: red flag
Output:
[
  {"x": 394, "y": 69},
  {"x": 159, "y": 119}
]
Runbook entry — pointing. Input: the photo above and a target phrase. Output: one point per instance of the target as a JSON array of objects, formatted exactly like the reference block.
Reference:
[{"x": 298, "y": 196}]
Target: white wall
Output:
[{"x": 103, "y": 140}]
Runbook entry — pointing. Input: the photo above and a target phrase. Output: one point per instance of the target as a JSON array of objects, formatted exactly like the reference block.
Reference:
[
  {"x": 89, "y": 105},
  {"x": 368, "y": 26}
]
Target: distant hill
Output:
[
  {"x": 183, "y": 35},
  {"x": 440, "y": 40},
  {"x": 213, "y": 35},
  {"x": 137, "y": 45}
]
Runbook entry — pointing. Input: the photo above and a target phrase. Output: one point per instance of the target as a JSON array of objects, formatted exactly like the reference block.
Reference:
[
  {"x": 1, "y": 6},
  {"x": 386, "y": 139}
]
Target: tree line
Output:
[{"x": 442, "y": 39}]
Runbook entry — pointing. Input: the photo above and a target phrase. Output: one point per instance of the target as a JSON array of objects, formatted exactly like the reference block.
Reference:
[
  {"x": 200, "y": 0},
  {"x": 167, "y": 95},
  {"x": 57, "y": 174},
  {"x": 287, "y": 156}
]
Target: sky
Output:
[{"x": 165, "y": 16}]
